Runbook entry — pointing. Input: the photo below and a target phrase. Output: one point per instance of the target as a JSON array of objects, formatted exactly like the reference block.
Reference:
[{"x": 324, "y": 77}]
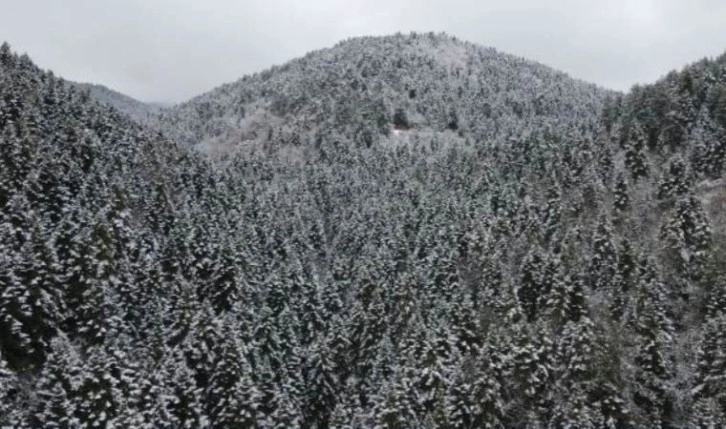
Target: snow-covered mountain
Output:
[
  {"x": 364, "y": 88},
  {"x": 403, "y": 231}
]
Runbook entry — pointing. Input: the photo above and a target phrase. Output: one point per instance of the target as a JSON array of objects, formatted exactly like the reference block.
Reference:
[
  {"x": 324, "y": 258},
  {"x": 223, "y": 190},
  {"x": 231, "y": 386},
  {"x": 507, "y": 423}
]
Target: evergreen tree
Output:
[
  {"x": 709, "y": 390},
  {"x": 533, "y": 285},
  {"x": 687, "y": 234},
  {"x": 29, "y": 289},
  {"x": 394, "y": 409},
  {"x": 604, "y": 263},
  {"x": 431, "y": 381},
  {"x": 675, "y": 182},
  {"x": 476, "y": 395},
  {"x": 400, "y": 120},
  {"x": 576, "y": 375},
  {"x": 103, "y": 396},
  {"x": 58, "y": 387},
  {"x": 322, "y": 385},
  {"x": 528, "y": 370},
  {"x": 622, "y": 198},
  {"x": 231, "y": 395},
  {"x": 653, "y": 329},
  {"x": 709, "y": 151},
  {"x": 177, "y": 401},
  {"x": 635, "y": 153},
  {"x": 10, "y": 404}
]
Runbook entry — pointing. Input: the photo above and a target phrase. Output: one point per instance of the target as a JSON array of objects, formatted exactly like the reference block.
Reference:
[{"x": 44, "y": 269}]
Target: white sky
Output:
[{"x": 171, "y": 50}]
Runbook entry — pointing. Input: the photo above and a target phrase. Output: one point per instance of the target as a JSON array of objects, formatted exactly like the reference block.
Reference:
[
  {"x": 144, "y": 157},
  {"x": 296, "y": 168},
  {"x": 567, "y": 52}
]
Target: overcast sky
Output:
[{"x": 171, "y": 50}]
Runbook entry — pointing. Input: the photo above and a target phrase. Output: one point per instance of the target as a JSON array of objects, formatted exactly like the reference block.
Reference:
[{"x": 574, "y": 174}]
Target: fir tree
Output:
[
  {"x": 653, "y": 372},
  {"x": 622, "y": 197},
  {"x": 635, "y": 153},
  {"x": 675, "y": 182}
]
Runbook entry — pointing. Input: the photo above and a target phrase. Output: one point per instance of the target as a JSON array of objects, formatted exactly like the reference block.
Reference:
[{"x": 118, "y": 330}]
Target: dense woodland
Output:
[
  {"x": 397, "y": 232},
  {"x": 138, "y": 110},
  {"x": 367, "y": 87}
]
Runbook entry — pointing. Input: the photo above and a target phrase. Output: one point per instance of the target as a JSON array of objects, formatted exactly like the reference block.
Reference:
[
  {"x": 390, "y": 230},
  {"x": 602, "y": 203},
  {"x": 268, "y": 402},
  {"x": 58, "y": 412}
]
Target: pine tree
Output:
[
  {"x": 582, "y": 399},
  {"x": 29, "y": 290},
  {"x": 231, "y": 396},
  {"x": 716, "y": 301},
  {"x": 566, "y": 302},
  {"x": 719, "y": 111},
  {"x": 476, "y": 395},
  {"x": 58, "y": 387},
  {"x": 710, "y": 381},
  {"x": 11, "y": 411},
  {"x": 431, "y": 379},
  {"x": 528, "y": 369},
  {"x": 105, "y": 382},
  {"x": 653, "y": 329},
  {"x": 635, "y": 153},
  {"x": 624, "y": 280},
  {"x": 551, "y": 212},
  {"x": 92, "y": 283},
  {"x": 322, "y": 388},
  {"x": 394, "y": 409},
  {"x": 533, "y": 285},
  {"x": 6, "y": 55},
  {"x": 176, "y": 401},
  {"x": 621, "y": 202},
  {"x": 400, "y": 119},
  {"x": 675, "y": 181},
  {"x": 709, "y": 151},
  {"x": 280, "y": 399},
  {"x": 603, "y": 265},
  {"x": 226, "y": 287},
  {"x": 687, "y": 233}
]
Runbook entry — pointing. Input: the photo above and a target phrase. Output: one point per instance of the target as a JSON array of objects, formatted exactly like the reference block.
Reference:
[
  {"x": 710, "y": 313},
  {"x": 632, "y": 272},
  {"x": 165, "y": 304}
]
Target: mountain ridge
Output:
[
  {"x": 138, "y": 110},
  {"x": 314, "y": 90}
]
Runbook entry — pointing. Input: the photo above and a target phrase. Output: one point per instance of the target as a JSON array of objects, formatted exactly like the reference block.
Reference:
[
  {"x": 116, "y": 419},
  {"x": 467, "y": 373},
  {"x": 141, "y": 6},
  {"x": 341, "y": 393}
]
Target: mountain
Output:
[
  {"x": 364, "y": 88},
  {"x": 391, "y": 256},
  {"x": 136, "y": 109}
]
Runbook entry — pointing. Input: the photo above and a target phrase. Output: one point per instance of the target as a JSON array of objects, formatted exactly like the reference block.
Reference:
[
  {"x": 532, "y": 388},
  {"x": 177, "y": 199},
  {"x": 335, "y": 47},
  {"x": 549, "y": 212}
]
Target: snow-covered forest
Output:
[{"x": 407, "y": 231}]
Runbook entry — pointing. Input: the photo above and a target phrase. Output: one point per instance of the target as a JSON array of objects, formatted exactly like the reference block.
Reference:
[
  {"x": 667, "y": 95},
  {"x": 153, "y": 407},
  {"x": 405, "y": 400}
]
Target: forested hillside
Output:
[
  {"x": 369, "y": 87},
  {"x": 138, "y": 110},
  {"x": 555, "y": 262}
]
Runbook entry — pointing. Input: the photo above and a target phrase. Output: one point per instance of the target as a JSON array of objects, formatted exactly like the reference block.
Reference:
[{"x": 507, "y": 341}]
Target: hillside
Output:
[
  {"x": 85, "y": 197},
  {"x": 136, "y": 109},
  {"x": 363, "y": 89},
  {"x": 555, "y": 261}
]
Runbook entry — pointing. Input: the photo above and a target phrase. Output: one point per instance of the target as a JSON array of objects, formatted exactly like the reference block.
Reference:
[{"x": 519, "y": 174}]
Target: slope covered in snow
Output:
[
  {"x": 420, "y": 233},
  {"x": 362, "y": 88}
]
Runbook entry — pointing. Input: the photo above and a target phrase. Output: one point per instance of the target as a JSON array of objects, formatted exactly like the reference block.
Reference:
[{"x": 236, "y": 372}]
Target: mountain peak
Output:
[{"x": 356, "y": 87}]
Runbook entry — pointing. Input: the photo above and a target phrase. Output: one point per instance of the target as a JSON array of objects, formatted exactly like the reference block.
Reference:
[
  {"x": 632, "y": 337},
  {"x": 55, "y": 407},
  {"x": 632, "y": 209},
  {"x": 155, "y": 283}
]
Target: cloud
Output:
[{"x": 171, "y": 50}]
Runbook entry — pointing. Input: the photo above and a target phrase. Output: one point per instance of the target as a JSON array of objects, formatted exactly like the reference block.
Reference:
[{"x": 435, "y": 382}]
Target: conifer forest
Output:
[{"x": 406, "y": 231}]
